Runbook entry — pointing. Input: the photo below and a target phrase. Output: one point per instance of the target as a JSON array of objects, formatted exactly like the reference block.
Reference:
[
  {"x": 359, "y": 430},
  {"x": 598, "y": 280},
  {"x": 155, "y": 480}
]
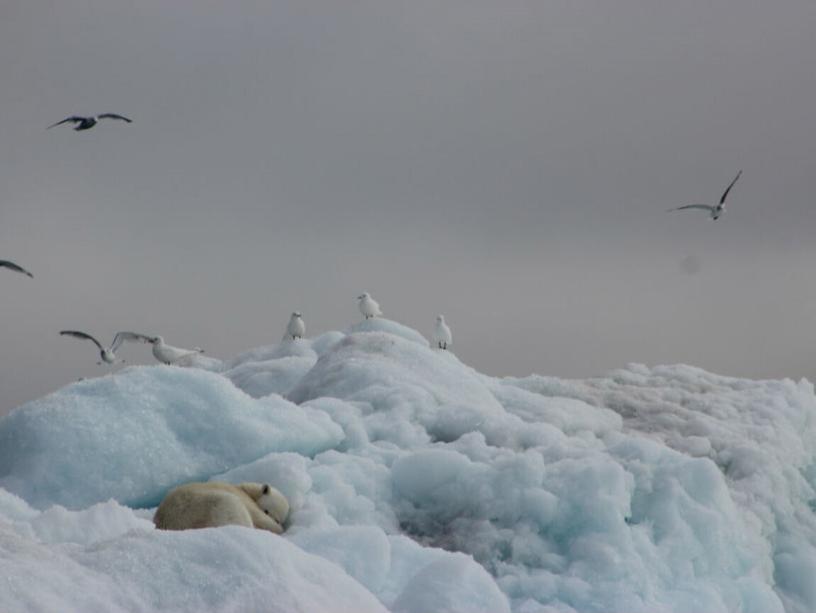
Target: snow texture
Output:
[{"x": 416, "y": 484}]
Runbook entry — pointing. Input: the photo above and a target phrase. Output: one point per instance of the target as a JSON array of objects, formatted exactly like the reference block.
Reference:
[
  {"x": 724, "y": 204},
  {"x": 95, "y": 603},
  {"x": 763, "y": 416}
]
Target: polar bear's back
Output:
[{"x": 203, "y": 505}]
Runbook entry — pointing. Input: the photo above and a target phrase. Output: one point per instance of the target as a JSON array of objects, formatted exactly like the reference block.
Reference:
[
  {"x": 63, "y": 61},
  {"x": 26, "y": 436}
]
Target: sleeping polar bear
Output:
[{"x": 210, "y": 504}]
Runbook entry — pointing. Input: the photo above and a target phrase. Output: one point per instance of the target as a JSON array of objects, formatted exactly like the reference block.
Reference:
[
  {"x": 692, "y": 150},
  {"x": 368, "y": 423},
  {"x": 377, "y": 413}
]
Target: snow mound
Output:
[
  {"x": 416, "y": 484},
  {"x": 133, "y": 435},
  {"x": 380, "y": 324},
  {"x": 137, "y": 568}
]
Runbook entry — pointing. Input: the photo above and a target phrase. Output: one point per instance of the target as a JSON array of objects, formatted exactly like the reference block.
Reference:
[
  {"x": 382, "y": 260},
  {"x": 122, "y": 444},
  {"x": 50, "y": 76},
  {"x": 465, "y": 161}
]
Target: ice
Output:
[
  {"x": 133, "y": 435},
  {"x": 393, "y": 328},
  {"x": 416, "y": 484},
  {"x": 276, "y": 376},
  {"x": 449, "y": 585},
  {"x": 224, "y": 569}
]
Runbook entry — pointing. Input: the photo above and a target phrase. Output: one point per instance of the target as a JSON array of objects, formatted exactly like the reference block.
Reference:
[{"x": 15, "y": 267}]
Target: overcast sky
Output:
[{"x": 506, "y": 163}]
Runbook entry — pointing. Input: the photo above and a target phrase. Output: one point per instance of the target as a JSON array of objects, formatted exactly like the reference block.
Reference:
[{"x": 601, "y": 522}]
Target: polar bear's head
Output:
[{"x": 273, "y": 503}]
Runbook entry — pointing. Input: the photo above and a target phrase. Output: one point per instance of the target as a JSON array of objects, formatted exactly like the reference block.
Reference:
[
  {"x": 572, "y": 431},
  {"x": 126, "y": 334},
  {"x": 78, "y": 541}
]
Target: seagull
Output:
[
  {"x": 167, "y": 354},
  {"x": 108, "y": 354},
  {"x": 296, "y": 328},
  {"x": 86, "y": 123},
  {"x": 15, "y": 267},
  {"x": 368, "y": 306},
  {"x": 714, "y": 211},
  {"x": 442, "y": 334}
]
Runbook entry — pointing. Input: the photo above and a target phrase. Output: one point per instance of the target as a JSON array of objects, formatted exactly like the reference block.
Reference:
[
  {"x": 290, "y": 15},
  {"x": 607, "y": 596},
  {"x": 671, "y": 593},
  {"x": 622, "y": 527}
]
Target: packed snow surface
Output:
[{"x": 417, "y": 485}]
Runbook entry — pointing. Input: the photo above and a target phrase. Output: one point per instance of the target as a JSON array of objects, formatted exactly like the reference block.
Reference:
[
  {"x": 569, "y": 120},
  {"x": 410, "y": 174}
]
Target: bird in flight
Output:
[
  {"x": 108, "y": 354},
  {"x": 15, "y": 268},
  {"x": 86, "y": 123},
  {"x": 714, "y": 211}
]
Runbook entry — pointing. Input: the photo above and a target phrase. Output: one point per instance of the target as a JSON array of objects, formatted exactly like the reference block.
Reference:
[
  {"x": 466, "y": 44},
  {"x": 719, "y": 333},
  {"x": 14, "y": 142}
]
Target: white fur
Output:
[{"x": 212, "y": 504}]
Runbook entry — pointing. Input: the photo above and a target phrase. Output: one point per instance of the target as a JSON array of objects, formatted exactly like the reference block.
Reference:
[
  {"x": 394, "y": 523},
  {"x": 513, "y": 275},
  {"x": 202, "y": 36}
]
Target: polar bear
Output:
[{"x": 210, "y": 504}]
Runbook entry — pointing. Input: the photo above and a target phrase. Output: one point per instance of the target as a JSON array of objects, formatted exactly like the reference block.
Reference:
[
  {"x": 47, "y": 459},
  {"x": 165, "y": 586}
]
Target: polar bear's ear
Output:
[{"x": 265, "y": 489}]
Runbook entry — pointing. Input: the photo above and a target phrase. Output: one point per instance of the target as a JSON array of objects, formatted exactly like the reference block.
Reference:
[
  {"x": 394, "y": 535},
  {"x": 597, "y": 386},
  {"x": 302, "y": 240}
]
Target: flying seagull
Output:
[
  {"x": 295, "y": 328},
  {"x": 368, "y": 306},
  {"x": 714, "y": 211},
  {"x": 442, "y": 333},
  {"x": 86, "y": 123},
  {"x": 15, "y": 267},
  {"x": 167, "y": 354},
  {"x": 108, "y": 354}
]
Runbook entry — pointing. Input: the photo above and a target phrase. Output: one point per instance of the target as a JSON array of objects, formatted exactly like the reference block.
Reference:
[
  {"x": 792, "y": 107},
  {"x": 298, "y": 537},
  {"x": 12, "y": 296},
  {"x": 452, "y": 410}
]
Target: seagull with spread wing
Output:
[
  {"x": 108, "y": 354},
  {"x": 714, "y": 211},
  {"x": 86, "y": 123},
  {"x": 15, "y": 268}
]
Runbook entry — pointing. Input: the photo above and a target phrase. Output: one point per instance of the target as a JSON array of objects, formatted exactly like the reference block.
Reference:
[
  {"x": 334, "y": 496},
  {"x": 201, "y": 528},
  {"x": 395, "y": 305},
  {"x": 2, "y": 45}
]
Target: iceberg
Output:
[{"x": 416, "y": 484}]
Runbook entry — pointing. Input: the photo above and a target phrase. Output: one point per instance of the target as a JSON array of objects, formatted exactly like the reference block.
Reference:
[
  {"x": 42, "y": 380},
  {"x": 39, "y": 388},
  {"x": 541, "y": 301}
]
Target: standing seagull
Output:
[
  {"x": 368, "y": 306},
  {"x": 442, "y": 333},
  {"x": 108, "y": 355},
  {"x": 15, "y": 267},
  {"x": 715, "y": 211},
  {"x": 86, "y": 123},
  {"x": 167, "y": 354},
  {"x": 296, "y": 328}
]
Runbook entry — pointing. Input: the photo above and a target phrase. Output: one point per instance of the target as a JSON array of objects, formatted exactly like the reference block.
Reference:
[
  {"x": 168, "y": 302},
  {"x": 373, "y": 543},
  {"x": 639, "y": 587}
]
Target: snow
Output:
[{"x": 416, "y": 484}]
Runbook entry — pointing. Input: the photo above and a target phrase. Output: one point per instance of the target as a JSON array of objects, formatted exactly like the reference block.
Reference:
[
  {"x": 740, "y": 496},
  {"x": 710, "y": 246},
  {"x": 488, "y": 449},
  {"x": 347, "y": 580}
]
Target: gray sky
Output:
[{"x": 507, "y": 164}]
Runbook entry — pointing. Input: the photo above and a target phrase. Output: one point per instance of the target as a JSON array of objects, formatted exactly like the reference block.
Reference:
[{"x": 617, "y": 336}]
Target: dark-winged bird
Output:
[
  {"x": 86, "y": 123},
  {"x": 714, "y": 211},
  {"x": 15, "y": 268},
  {"x": 107, "y": 354}
]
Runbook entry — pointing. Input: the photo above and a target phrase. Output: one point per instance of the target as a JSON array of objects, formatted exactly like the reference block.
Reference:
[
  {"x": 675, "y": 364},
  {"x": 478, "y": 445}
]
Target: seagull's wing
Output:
[
  {"x": 728, "y": 189},
  {"x": 15, "y": 267},
  {"x": 705, "y": 207},
  {"x": 114, "y": 116},
  {"x": 74, "y": 118},
  {"x": 132, "y": 337},
  {"x": 82, "y": 335}
]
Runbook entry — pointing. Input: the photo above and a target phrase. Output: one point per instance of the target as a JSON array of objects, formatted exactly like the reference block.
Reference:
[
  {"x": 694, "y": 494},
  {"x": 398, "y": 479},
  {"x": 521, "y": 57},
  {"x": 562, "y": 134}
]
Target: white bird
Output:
[
  {"x": 108, "y": 354},
  {"x": 295, "y": 328},
  {"x": 86, "y": 123},
  {"x": 15, "y": 267},
  {"x": 442, "y": 334},
  {"x": 167, "y": 354},
  {"x": 368, "y": 306},
  {"x": 714, "y": 211}
]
